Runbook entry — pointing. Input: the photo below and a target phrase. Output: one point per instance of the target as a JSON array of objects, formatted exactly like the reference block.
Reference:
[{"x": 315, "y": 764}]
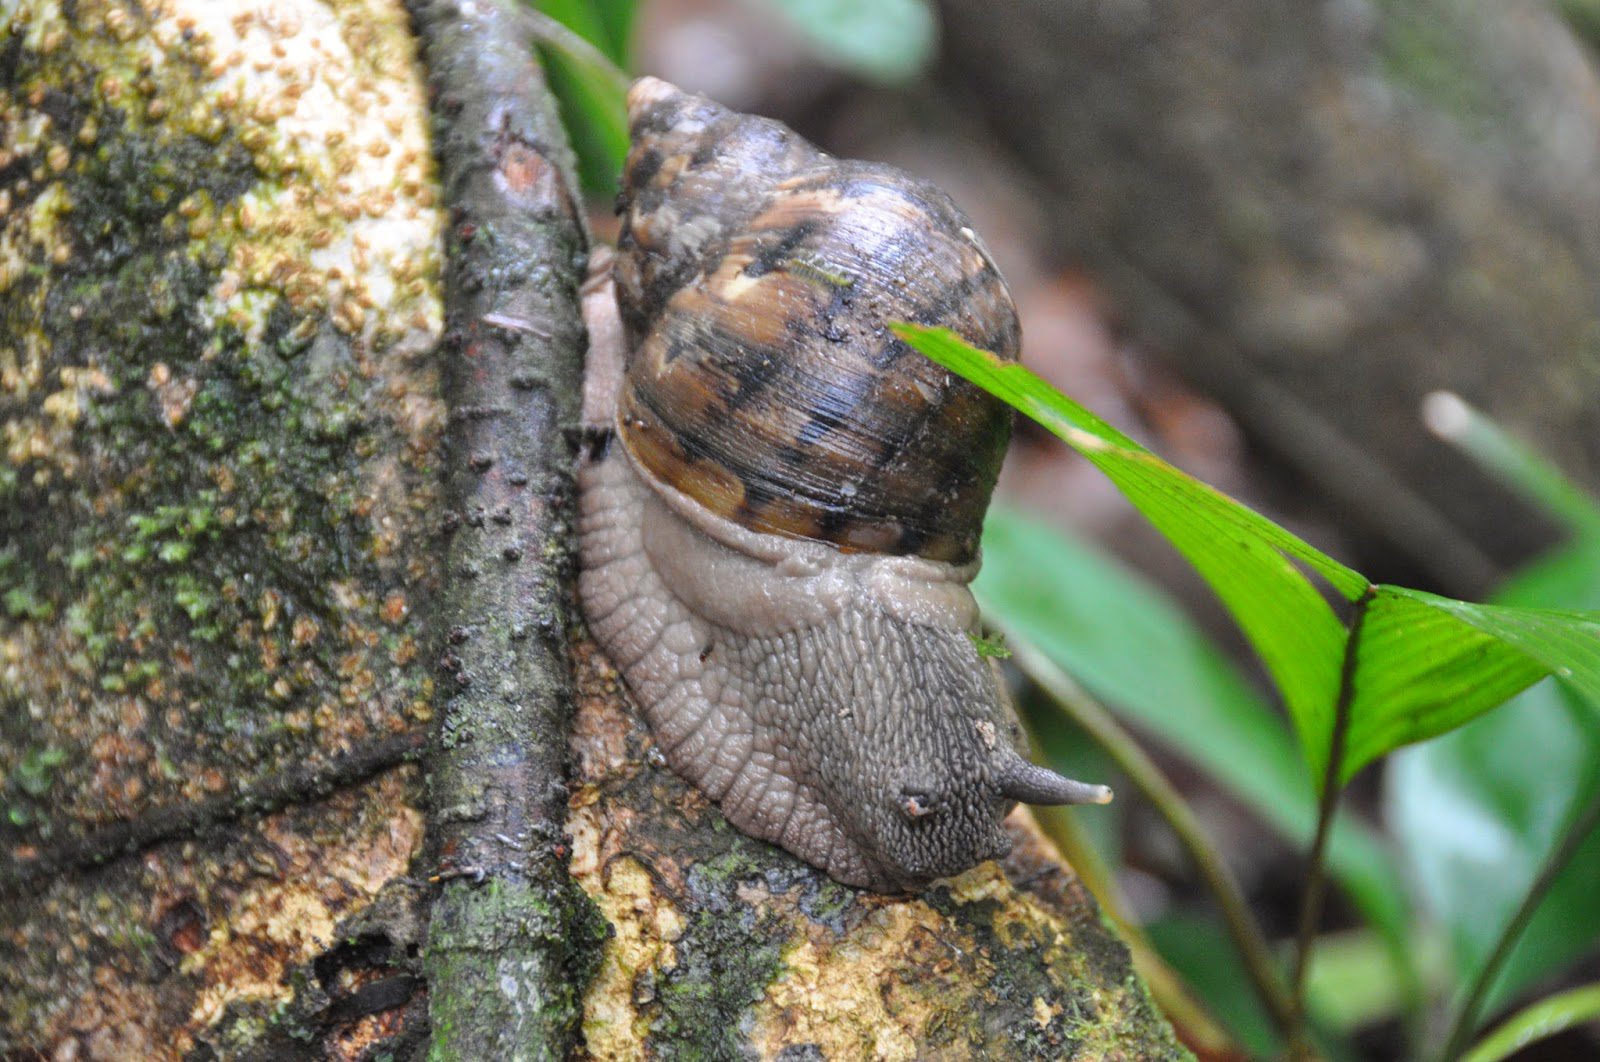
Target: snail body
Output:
[{"x": 781, "y": 503}]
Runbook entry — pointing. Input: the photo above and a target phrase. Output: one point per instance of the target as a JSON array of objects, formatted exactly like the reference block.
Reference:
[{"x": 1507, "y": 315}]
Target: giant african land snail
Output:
[{"x": 781, "y": 502}]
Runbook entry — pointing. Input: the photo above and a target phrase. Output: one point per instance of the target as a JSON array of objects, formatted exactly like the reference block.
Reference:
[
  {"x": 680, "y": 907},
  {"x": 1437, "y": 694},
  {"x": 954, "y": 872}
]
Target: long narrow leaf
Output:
[
  {"x": 1566, "y": 644},
  {"x": 1479, "y": 810},
  {"x": 1423, "y": 671},
  {"x": 1512, "y": 462},
  {"x": 592, "y": 91},
  {"x": 606, "y": 24},
  {"x": 1105, "y": 625},
  {"x": 1557, "y": 1013},
  {"x": 1256, "y": 567},
  {"x": 1426, "y": 664}
]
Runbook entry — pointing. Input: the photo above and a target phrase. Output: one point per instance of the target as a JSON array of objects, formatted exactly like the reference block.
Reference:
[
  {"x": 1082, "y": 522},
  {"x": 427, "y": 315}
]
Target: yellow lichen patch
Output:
[
  {"x": 645, "y": 925},
  {"x": 218, "y": 925},
  {"x": 1019, "y": 920},
  {"x": 349, "y": 222},
  {"x": 335, "y": 226},
  {"x": 725, "y": 946},
  {"x": 844, "y": 994},
  {"x": 284, "y": 922}
]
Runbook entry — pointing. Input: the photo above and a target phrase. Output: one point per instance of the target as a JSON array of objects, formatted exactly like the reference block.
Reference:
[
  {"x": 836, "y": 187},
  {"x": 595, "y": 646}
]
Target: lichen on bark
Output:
[
  {"x": 218, "y": 291},
  {"x": 724, "y": 946}
]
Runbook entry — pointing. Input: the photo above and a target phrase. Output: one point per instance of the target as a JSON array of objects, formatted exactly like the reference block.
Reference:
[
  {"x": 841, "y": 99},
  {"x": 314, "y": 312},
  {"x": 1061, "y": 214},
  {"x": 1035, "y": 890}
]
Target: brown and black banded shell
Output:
[{"x": 756, "y": 277}]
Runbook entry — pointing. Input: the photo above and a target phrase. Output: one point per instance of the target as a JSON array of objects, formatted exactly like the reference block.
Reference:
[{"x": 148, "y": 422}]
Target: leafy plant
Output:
[
  {"x": 1363, "y": 670},
  {"x": 881, "y": 40},
  {"x": 1379, "y": 668},
  {"x": 585, "y": 46}
]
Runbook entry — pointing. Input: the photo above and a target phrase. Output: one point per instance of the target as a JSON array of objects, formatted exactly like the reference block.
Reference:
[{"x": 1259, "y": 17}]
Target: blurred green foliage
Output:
[
  {"x": 590, "y": 85},
  {"x": 1479, "y": 810},
  {"x": 886, "y": 41}
]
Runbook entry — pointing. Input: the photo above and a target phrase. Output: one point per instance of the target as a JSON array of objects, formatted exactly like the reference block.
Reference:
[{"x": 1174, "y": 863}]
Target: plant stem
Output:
[
  {"x": 1142, "y": 771},
  {"x": 1311, "y": 901},
  {"x": 1538, "y": 1021},
  {"x": 576, "y": 47},
  {"x": 1578, "y": 830}
]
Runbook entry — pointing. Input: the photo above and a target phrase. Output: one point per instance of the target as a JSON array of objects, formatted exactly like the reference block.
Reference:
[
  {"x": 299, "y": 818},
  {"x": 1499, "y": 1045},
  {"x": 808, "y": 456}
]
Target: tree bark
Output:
[
  {"x": 512, "y": 940},
  {"x": 1320, "y": 215},
  {"x": 726, "y": 947},
  {"x": 219, "y": 503},
  {"x": 284, "y": 510}
]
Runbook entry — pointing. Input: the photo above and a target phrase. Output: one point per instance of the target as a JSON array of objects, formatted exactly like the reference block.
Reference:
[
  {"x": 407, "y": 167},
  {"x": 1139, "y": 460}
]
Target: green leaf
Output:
[
  {"x": 887, "y": 41},
  {"x": 1351, "y": 982},
  {"x": 1568, "y": 577},
  {"x": 590, "y": 89},
  {"x": 1477, "y": 813},
  {"x": 606, "y": 24},
  {"x": 1479, "y": 810},
  {"x": 1425, "y": 663},
  {"x": 1258, "y": 569},
  {"x": 1105, "y": 625},
  {"x": 1201, "y": 953},
  {"x": 1422, "y": 670},
  {"x": 1564, "y": 643},
  {"x": 1546, "y": 1018}
]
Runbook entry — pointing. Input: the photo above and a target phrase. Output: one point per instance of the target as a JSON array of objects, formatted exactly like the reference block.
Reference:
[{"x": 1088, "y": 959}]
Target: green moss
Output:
[
  {"x": 1070, "y": 978},
  {"x": 28, "y": 785},
  {"x": 199, "y": 483},
  {"x": 477, "y": 1006},
  {"x": 727, "y": 956}
]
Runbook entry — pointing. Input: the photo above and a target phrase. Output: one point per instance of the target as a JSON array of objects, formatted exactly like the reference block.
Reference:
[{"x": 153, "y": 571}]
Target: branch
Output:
[{"x": 513, "y": 353}]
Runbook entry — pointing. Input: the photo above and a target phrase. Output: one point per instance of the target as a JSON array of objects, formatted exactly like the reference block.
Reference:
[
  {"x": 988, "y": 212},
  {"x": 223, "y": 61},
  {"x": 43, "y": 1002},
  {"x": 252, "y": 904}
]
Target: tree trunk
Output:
[
  {"x": 218, "y": 504},
  {"x": 1321, "y": 214},
  {"x": 285, "y": 681}
]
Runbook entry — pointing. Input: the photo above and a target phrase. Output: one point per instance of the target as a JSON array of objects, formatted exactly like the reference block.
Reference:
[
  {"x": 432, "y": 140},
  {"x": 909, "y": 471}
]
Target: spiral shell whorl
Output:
[{"x": 755, "y": 277}]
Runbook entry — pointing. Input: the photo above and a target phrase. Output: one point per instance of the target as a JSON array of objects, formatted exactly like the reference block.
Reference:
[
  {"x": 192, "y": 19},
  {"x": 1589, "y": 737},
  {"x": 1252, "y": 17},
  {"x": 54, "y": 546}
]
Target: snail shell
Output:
[{"x": 777, "y": 555}]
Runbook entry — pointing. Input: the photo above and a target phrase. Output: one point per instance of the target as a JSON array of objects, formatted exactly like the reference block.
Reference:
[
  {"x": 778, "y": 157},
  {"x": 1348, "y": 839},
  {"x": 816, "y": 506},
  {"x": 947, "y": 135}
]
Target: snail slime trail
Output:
[{"x": 781, "y": 502}]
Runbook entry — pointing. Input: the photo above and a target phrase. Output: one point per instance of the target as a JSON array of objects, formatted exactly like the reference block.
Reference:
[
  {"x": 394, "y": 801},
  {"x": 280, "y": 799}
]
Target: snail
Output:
[{"x": 780, "y": 502}]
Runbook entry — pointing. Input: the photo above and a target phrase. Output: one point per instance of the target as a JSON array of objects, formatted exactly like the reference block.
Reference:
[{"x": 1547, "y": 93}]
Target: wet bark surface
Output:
[
  {"x": 285, "y": 614},
  {"x": 512, "y": 941}
]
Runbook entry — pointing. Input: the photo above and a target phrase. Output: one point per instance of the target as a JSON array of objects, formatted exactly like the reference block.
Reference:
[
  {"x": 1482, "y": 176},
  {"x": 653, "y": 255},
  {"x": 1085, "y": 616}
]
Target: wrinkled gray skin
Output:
[{"x": 832, "y": 703}]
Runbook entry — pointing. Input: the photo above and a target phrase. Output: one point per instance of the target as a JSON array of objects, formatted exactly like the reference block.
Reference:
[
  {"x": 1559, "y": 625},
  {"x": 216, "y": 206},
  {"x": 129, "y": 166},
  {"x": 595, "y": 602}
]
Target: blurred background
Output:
[{"x": 1258, "y": 237}]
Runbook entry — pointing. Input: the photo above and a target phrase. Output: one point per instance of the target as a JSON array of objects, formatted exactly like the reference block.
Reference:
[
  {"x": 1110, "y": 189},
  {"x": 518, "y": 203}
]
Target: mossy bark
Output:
[
  {"x": 218, "y": 502},
  {"x": 284, "y": 510},
  {"x": 1320, "y": 215},
  {"x": 512, "y": 941},
  {"x": 726, "y": 947}
]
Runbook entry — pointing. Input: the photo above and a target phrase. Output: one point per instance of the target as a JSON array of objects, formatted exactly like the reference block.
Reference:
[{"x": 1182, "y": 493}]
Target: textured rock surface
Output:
[
  {"x": 1322, "y": 214},
  {"x": 218, "y": 280}
]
